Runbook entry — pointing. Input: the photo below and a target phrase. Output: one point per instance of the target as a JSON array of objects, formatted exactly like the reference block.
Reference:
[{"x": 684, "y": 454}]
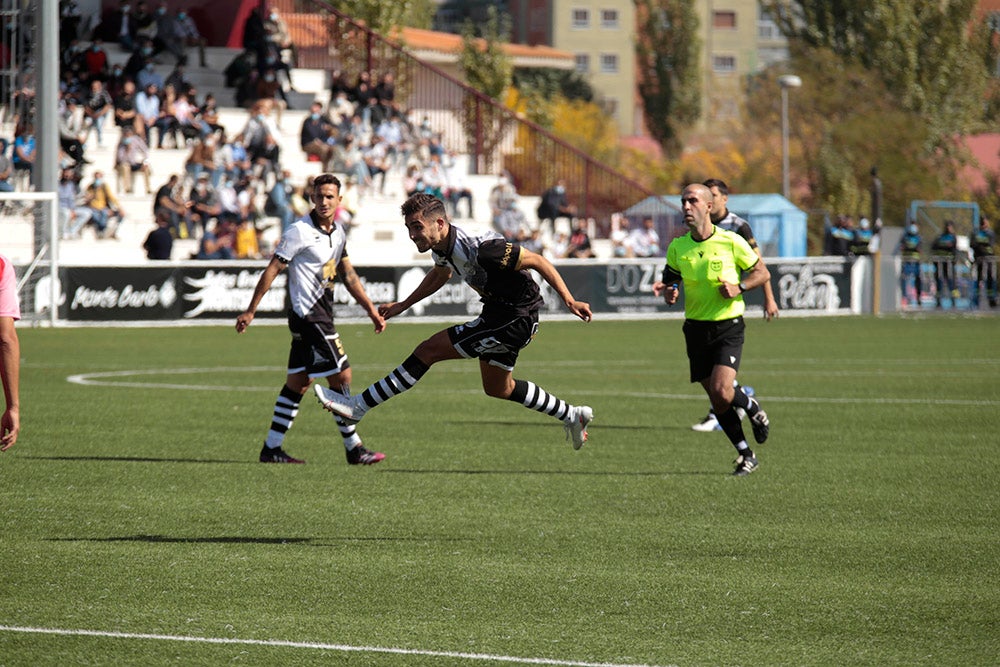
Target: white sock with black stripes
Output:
[{"x": 531, "y": 396}]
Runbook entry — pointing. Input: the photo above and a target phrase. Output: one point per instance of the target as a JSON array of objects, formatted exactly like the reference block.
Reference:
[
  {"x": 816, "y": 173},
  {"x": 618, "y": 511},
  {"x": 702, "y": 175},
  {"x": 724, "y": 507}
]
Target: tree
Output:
[
  {"x": 488, "y": 70},
  {"x": 385, "y": 17},
  {"x": 667, "y": 49},
  {"x": 934, "y": 57}
]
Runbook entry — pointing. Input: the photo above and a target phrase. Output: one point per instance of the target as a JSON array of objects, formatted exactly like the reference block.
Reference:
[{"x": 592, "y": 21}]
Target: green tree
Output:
[
  {"x": 488, "y": 70},
  {"x": 385, "y": 17},
  {"x": 934, "y": 57},
  {"x": 667, "y": 49}
]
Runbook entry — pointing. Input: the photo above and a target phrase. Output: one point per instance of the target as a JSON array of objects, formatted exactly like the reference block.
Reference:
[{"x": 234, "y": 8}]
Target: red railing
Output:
[{"x": 494, "y": 137}]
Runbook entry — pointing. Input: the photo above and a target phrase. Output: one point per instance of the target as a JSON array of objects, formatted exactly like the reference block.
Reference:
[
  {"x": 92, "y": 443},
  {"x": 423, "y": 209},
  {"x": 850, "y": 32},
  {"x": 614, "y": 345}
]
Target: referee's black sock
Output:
[
  {"x": 733, "y": 428},
  {"x": 744, "y": 402}
]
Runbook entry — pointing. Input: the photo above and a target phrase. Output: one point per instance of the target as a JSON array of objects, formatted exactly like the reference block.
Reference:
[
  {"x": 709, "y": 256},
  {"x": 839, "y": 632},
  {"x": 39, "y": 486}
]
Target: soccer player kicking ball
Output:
[
  {"x": 498, "y": 272},
  {"x": 708, "y": 260}
]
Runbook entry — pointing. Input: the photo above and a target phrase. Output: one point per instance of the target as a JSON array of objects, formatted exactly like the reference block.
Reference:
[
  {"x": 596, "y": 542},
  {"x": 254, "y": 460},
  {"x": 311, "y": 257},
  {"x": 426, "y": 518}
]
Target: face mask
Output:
[
  {"x": 560, "y": 189},
  {"x": 274, "y": 17},
  {"x": 912, "y": 229},
  {"x": 182, "y": 16},
  {"x": 314, "y": 116},
  {"x": 126, "y": 141},
  {"x": 117, "y": 71},
  {"x": 147, "y": 51},
  {"x": 149, "y": 67},
  {"x": 160, "y": 11},
  {"x": 269, "y": 77},
  {"x": 95, "y": 48},
  {"x": 98, "y": 182}
]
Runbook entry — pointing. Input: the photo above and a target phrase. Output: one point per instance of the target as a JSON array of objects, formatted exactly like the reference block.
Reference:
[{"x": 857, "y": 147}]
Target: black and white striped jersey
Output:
[
  {"x": 487, "y": 263},
  {"x": 734, "y": 223},
  {"x": 312, "y": 256}
]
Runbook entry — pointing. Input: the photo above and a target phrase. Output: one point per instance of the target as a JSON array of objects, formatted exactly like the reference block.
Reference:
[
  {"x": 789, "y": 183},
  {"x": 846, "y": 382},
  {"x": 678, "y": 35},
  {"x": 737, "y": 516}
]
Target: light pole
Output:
[{"x": 787, "y": 81}]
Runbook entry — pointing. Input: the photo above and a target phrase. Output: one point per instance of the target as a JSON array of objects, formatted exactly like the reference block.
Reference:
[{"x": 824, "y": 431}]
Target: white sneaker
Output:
[
  {"x": 709, "y": 423},
  {"x": 576, "y": 425},
  {"x": 347, "y": 408}
]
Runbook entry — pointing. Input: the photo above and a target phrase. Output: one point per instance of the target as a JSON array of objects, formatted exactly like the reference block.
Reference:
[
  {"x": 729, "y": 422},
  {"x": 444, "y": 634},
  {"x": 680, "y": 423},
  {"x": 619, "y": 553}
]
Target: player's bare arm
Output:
[
  {"x": 357, "y": 290},
  {"x": 435, "y": 279},
  {"x": 545, "y": 268},
  {"x": 274, "y": 267}
]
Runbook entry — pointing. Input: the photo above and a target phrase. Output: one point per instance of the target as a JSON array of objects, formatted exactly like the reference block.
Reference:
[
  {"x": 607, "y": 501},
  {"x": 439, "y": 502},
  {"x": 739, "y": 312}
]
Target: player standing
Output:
[{"x": 314, "y": 251}]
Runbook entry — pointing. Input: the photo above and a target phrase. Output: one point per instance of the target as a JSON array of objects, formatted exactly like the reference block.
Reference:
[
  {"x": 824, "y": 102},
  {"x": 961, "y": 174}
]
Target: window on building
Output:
[
  {"x": 724, "y": 63},
  {"x": 581, "y": 19},
  {"x": 724, "y": 20},
  {"x": 609, "y": 18},
  {"x": 609, "y": 63},
  {"x": 582, "y": 61}
]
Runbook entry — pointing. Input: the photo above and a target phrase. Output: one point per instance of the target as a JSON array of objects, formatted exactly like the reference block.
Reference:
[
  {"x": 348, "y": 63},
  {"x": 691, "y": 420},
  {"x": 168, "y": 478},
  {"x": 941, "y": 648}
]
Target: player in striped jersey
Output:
[
  {"x": 314, "y": 252},
  {"x": 498, "y": 271}
]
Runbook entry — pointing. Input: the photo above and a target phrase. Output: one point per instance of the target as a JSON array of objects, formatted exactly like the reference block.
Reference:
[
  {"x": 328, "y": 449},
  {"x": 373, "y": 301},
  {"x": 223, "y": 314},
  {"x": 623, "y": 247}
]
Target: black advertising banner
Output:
[
  {"x": 119, "y": 294},
  {"x": 218, "y": 291}
]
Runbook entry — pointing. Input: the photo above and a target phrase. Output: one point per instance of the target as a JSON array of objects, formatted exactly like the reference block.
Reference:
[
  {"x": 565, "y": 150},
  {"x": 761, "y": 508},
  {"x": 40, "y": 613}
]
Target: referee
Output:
[{"x": 709, "y": 261}]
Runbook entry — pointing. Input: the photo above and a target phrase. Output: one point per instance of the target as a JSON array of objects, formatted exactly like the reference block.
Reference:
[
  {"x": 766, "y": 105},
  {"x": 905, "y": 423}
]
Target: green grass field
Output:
[{"x": 133, "y": 507}]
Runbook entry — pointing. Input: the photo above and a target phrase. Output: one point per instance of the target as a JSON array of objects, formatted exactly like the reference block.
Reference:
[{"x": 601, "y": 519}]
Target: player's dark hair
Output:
[
  {"x": 717, "y": 183},
  {"x": 424, "y": 206},
  {"x": 326, "y": 179}
]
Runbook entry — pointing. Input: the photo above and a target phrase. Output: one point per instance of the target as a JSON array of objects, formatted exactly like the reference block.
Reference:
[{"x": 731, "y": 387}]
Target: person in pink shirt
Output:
[{"x": 10, "y": 355}]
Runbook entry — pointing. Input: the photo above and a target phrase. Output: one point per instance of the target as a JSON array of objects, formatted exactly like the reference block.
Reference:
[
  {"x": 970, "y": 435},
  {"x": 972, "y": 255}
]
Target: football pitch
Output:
[{"x": 138, "y": 528}]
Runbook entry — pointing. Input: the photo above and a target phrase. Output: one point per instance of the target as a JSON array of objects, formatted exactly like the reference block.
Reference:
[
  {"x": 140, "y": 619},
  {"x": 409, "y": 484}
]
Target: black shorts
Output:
[
  {"x": 316, "y": 348},
  {"x": 496, "y": 338},
  {"x": 711, "y": 344}
]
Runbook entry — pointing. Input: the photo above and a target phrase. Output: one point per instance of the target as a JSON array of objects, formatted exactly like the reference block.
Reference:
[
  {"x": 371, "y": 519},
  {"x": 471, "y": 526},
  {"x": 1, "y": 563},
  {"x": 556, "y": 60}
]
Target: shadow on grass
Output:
[
  {"x": 569, "y": 473},
  {"x": 225, "y": 539},
  {"x": 134, "y": 459}
]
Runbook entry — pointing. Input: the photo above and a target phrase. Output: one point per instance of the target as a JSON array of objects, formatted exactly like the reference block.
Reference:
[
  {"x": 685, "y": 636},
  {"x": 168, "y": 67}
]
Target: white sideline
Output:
[{"x": 345, "y": 648}]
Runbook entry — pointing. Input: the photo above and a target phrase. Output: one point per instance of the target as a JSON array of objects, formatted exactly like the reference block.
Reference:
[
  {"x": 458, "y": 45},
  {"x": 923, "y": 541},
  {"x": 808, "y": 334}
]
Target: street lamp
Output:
[{"x": 787, "y": 81}]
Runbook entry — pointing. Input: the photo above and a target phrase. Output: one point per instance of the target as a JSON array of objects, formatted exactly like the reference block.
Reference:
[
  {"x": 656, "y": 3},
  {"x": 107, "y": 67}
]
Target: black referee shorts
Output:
[{"x": 711, "y": 344}]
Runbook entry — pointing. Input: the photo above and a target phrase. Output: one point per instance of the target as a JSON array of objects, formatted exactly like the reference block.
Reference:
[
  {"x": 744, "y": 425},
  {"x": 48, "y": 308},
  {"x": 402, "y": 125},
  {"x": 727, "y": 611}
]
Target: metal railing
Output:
[{"x": 494, "y": 137}]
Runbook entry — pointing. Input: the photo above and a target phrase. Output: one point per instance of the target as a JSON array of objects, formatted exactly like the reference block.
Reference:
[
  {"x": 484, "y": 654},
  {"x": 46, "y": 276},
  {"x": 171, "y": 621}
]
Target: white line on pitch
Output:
[{"x": 313, "y": 645}]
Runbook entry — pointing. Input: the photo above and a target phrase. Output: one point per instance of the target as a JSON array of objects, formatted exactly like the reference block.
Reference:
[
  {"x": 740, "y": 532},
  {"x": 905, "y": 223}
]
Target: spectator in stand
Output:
[
  {"x": 620, "y": 241},
  {"x": 115, "y": 82},
  {"x": 554, "y": 204},
  {"x": 96, "y": 108},
  {"x": 179, "y": 80},
  {"x": 262, "y": 140},
  {"x": 131, "y": 158},
  {"x": 350, "y": 203},
  {"x": 149, "y": 110},
  {"x": 72, "y": 130},
  {"x": 234, "y": 160},
  {"x": 148, "y": 75},
  {"x": 159, "y": 243},
  {"x": 120, "y": 27},
  {"x": 72, "y": 215},
  {"x": 278, "y": 40},
  {"x": 125, "y": 110},
  {"x": 95, "y": 61},
  {"x": 645, "y": 242},
  {"x": 362, "y": 90},
  {"x": 455, "y": 186},
  {"x": 188, "y": 123},
  {"x": 279, "y": 200},
  {"x": 104, "y": 207},
  {"x": 254, "y": 34},
  {"x": 230, "y": 208},
  {"x": 269, "y": 88},
  {"x": 144, "y": 22},
  {"x": 579, "y": 242},
  {"x": 6, "y": 168},
  {"x": 208, "y": 112},
  {"x": 203, "y": 203},
  {"x": 434, "y": 178},
  {"x": 188, "y": 33},
  {"x": 348, "y": 159},
  {"x": 385, "y": 89},
  {"x": 377, "y": 161},
  {"x": 340, "y": 112},
  {"x": 24, "y": 152},
  {"x": 394, "y": 136},
  {"x": 317, "y": 135},
  {"x": 137, "y": 61},
  {"x": 169, "y": 203},
  {"x": 560, "y": 245},
  {"x": 205, "y": 158},
  {"x": 216, "y": 242},
  {"x": 168, "y": 35},
  {"x": 506, "y": 217},
  {"x": 246, "y": 243}
]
